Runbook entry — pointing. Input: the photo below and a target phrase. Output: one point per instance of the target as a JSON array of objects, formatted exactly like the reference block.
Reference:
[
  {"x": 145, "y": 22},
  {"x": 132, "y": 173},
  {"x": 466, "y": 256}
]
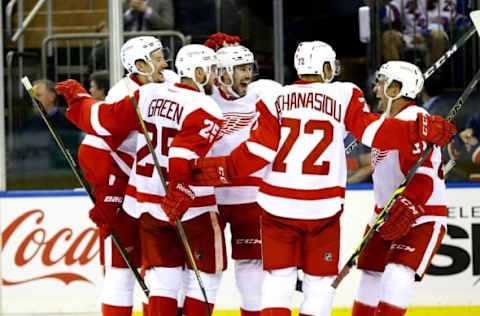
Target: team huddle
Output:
[{"x": 267, "y": 159}]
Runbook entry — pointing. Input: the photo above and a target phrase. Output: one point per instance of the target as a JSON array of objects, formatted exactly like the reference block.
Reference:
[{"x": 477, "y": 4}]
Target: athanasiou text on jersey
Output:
[{"x": 316, "y": 101}]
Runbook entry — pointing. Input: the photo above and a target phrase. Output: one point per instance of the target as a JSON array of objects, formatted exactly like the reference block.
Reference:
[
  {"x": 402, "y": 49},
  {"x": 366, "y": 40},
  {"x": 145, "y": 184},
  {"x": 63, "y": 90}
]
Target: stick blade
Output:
[{"x": 475, "y": 16}]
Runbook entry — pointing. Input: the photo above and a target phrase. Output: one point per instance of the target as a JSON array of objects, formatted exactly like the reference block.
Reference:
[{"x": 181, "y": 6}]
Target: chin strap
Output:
[
  {"x": 228, "y": 87},
  {"x": 149, "y": 75},
  {"x": 201, "y": 86},
  {"x": 390, "y": 101}
]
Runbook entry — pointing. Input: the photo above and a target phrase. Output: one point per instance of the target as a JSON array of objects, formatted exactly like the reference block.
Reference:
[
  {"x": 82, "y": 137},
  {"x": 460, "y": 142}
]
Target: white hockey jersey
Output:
[
  {"x": 427, "y": 186},
  {"x": 299, "y": 135},
  {"x": 239, "y": 115},
  {"x": 122, "y": 147},
  {"x": 182, "y": 124}
]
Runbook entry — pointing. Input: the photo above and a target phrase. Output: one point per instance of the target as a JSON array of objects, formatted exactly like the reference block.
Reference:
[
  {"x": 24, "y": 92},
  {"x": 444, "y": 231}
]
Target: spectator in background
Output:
[
  {"x": 420, "y": 24},
  {"x": 465, "y": 146},
  {"x": 46, "y": 95},
  {"x": 99, "y": 84},
  {"x": 143, "y": 15},
  {"x": 36, "y": 150}
]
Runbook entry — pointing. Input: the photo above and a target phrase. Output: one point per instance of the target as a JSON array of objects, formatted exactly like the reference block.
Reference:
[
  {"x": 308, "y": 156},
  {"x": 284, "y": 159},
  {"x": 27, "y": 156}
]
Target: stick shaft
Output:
[{"x": 78, "y": 174}]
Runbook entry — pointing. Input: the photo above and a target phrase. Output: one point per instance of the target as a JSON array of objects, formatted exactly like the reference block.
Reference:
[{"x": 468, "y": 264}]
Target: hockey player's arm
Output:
[
  {"x": 383, "y": 133},
  {"x": 252, "y": 155},
  {"x": 96, "y": 117},
  {"x": 194, "y": 140},
  {"x": 261, "y": 147}
]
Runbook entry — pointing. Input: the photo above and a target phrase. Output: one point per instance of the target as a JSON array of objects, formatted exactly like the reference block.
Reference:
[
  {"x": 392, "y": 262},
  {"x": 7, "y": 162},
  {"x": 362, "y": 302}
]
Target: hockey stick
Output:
[
  {"x": 76, "y": 170},
  {"x": 383, "y": 216},
  {"x": 179, "y": 225},
  {"x": 475, "y": 17}
]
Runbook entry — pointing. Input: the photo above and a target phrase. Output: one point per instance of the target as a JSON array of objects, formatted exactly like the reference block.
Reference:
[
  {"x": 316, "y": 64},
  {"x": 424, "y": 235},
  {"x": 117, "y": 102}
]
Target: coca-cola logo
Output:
[{"x": 62, "y": 248}]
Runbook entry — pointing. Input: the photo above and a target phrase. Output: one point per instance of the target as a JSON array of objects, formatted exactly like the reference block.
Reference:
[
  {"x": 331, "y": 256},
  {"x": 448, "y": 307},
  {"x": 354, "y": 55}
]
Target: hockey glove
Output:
[
  {"x": 400, "y": 219},
  {"x": 108, "y": 202},
  {"x": 434, "y": 129},
  {"x": 212, "y": 171},
  {"x": 71, "y": 90},
  {"x": 219, "y": 40},
  {"x": 178, "y": 199}
]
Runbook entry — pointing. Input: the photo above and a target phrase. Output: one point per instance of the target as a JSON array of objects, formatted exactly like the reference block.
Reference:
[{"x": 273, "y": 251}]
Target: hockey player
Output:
[
  {"x": 183, "y": 123},
  {"x": 299, "y": 137},
  {"x": 107, "y": 161},
  {"x": 399, "y": 254},
  {"x": 236, "y": 96}
]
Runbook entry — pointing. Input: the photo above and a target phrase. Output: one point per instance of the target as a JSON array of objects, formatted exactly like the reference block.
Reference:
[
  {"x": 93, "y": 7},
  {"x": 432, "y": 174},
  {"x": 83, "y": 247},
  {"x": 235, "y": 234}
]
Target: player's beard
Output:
[{"x": 208, "y": 88}]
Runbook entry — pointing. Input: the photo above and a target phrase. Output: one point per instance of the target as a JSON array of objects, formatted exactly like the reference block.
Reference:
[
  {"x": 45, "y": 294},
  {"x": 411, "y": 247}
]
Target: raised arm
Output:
[{"x": 97, "y": 117}]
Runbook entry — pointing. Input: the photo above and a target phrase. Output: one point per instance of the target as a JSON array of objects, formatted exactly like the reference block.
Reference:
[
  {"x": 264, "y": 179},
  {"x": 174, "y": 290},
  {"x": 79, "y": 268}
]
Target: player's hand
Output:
[
  {"x": 71, "y": 90},
  {"x": 435, "y": 129},
  {"x": 178, "y": 199},
  {"x": 108, "y": 202},
  {"x": 219, "y": 40},
  {"x": 212, "y": 171},
  {"x": 400, "y": 219}
]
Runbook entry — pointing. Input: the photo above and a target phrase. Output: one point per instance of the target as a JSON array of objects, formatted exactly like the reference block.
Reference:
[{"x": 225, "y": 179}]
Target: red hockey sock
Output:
[
  {"x": 360, "y": 309},
  {"x": 385, "y": 309},
  {"x": 276, "y": 311},
  {"x": 194, "y": 307},
  {"x": 249, "y": 313},
  {"x": 162, "y": 306},
  {"x": 110, "y": 310},
  {"x": 145, "y": 309}
]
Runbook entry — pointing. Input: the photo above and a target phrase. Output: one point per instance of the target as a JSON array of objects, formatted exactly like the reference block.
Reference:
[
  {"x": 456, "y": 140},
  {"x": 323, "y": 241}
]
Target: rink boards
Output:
[{"x": 50, "y": 262}]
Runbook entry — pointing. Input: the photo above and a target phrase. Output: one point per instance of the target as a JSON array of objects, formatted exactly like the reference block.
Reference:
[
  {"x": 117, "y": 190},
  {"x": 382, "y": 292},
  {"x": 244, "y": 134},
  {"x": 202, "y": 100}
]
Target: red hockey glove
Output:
[
  {"x": 219, "y": 40},
  {"x": 178, "y": 199},
  {"x": 71, "y": 90},
  {"x": 434, "y": 129},
  {"x": 212, "y": 171},
  {"x": 108, "y": 202},
  {"x": 400, "y": 219}
]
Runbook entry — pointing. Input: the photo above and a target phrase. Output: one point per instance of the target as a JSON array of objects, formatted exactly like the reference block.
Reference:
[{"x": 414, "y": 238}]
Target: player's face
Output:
[
  {"x": 379, "y": 91},
  {"x": 242, "y": 76},
  {"x": 213, "y": 76},
  {"x": 159, "y": 64}
]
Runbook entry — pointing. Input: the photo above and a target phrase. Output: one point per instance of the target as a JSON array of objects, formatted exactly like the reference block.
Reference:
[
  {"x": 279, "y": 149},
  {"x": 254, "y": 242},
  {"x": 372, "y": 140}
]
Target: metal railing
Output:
[
  {"x": 10, "y": 59},
  {"x": 25, "y": 23},
  {"x": 168, "y": 38}
]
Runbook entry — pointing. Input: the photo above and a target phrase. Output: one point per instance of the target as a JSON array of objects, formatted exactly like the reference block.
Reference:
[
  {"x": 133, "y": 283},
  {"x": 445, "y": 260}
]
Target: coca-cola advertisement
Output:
[{"x": 50, "y": 253}]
